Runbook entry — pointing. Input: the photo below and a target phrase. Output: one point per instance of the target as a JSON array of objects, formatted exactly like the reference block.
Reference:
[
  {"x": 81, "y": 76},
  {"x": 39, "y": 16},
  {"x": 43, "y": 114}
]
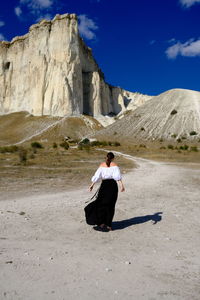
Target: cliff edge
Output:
[{"x": 50, "y": 71}]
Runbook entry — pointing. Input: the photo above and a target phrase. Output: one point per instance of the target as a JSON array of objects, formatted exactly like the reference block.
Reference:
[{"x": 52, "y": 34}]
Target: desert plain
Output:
[{"x": 47, "y": 251}]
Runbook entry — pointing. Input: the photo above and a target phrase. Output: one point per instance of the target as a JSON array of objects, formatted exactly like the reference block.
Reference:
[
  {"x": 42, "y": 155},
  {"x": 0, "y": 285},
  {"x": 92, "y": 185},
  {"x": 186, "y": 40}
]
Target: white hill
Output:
[{"x": 171, "y": 115}]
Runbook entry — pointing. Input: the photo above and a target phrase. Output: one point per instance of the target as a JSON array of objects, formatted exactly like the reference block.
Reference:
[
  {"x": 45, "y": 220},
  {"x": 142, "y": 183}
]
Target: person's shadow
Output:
[{"x": 118, "y": 225}]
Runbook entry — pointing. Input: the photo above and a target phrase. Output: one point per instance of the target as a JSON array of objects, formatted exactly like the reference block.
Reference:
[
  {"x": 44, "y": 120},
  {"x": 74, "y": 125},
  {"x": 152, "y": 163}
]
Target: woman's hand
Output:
[
  {"x": 91, "y": 187},
  {"x": 122, "y": 188}
]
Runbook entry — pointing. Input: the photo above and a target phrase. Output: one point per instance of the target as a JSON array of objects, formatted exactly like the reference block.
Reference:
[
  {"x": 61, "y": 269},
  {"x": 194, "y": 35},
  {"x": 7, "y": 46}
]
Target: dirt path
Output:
[{"x": 153, "y": 253}]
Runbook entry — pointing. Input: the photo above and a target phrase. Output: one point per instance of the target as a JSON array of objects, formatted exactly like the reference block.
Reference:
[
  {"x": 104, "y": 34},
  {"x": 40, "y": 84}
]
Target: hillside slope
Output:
[
  {"x": 173, "y": 114},
  {"x": 21, "y": 127}
]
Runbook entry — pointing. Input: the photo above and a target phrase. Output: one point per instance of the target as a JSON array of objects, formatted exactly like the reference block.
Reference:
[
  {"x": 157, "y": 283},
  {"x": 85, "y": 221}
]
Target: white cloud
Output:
[
  {"x": 37, "y": 4},
  {"x": 87, "y": 27},
  {"x": 2, "y": 38},
  {"x": 38, "y": 8},
  {"x": 191, "y": 48},
  {"x": 18, "y": 11},
  {"x": 2, "y": 23},
  {"x": 189, "y": 3}
]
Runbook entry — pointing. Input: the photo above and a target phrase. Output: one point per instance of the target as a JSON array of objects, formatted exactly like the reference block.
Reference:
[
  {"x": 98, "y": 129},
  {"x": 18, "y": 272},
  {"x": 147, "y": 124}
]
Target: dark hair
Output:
[{"x": 110, "y": 157}]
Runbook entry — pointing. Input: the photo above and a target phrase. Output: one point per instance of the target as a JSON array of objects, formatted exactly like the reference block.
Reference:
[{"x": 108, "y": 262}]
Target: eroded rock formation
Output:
[{"x": 50, "y": 71}]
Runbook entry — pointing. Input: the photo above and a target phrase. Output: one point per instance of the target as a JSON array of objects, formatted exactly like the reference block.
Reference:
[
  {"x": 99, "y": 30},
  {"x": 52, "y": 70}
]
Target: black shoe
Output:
[{"x": 102, "y": 229}]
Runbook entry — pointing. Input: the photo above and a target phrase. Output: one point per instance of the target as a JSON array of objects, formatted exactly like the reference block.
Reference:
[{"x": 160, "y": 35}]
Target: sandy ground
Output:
[{"x": 152, "y": 253}]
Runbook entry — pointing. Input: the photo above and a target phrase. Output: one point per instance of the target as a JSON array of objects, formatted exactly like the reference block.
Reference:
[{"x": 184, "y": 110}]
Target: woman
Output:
[{"x": 101, "y": 211}]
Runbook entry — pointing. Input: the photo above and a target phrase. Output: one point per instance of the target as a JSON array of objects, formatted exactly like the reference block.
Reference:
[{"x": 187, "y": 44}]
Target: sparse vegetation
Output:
[
  {"x": 85, "y": 141},
  {"x": 64, "y": 145},
  {"x": 9, "y": 149},
  {"x": 173, "y": 112},
  {"x": 36, "y": 145},
  {"x": 22, "y": 155},
  {"x": 179, "y": 140},
  {"x": 171, "y": 147},
  {"x": 142, "y": 146},
  {"x": 174, "y": 135},
  {"x": 55, "y": 145},
  {"x": 185, "y": 147},
  {"x": 193, "y": 133},
  {"x": 194, "y": 149}
]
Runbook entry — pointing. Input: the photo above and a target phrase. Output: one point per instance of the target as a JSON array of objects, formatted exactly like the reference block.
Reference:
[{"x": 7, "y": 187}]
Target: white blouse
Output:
[{"x": 107, "y": 173}]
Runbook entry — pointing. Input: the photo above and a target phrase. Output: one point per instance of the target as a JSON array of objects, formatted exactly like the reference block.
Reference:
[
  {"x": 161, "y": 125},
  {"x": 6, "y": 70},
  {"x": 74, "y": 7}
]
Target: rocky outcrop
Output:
[{"x": 50, "y": 71}]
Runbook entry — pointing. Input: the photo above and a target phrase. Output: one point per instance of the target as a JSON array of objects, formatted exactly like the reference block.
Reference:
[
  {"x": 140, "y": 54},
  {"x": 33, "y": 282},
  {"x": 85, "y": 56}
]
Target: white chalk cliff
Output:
[{"x": 50, "y": 71}]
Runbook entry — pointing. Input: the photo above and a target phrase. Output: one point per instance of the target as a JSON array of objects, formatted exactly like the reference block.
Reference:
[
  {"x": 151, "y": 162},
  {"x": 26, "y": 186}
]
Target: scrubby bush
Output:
[
  {"x": 95, "y": 143},
  {"x": 117, "y": 144},
  {"x": 179, "y": 140},
  {"x": 173, "y": 112},
  {"x": 9, "y": 149},
  {"x": 104, "y": 143},
  {"x": 64, "y": 145},
  {"x": 22, "y": 155},
  {"x": 193, "y": 133},
  {"x": 55, "y": 145},
  {"x": 142, "y": 146},
  {"x": 142, "y": 129},
  {"x": 36, "y": 145},
  {"x": 85, "y": 141},
  {"x": 185, "y": 147},
  {"x": 84, "y": 147},
  {"x": 163, "y": 147},
  {"x": 170, "y": 147},
  {"x": 194, "y": 149},
  {"x": 174, "y": 135}
]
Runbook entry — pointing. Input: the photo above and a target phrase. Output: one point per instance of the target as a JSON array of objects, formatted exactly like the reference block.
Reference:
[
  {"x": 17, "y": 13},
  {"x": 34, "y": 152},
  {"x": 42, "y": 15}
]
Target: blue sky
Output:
[{"x": 147, "y": 46}]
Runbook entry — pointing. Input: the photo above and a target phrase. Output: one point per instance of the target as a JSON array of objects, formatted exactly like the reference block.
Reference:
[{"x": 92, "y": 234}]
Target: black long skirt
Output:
[{"x": 101, "y": 211}]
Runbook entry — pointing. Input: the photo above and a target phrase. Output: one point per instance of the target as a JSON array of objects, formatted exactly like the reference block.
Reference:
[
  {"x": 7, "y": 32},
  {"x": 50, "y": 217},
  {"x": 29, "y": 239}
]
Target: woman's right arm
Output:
[
  {"x": 95, "y": 178},
  {"x": 122, "y": 188}
]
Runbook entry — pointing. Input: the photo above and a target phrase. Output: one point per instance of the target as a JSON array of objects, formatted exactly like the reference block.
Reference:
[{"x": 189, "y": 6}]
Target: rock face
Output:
[
  {"x": 172, "y": 115},
  {"x": 50, "y": 71}
]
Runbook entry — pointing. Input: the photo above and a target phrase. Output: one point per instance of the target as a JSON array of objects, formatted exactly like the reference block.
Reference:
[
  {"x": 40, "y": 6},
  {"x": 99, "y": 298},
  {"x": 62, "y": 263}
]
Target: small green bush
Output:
[
  {"x": 174, "y": 135},
  {"x": 170, "y": 147},
  {"x": 55, "y": 145},
  {"x": 142, "y": 129},
  {"x": 173, "y": 112},
  {"x": 95, "y": 143},
  {"x": 9, "y": 149},
  {"x": 142, "y": 146},
  {"x": 179, "y": 140},
  {"x": 85, "y": 141},
  {"x": 117, "y": 144},
  {"x": 22, "y": 155},
  {"x": 64, "y": 145},
  {"x": 104, "y": 143},
  {"x": 193, "y": 133},
  {"x": 36, "y": 145},
  {"x": 163, "y": 147},
  {"x": 194, "y": 149},
  {"x": 185, "y": 147},
  {"x": 84, "y": 147},
  {"x": 183, "y": 137}
]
